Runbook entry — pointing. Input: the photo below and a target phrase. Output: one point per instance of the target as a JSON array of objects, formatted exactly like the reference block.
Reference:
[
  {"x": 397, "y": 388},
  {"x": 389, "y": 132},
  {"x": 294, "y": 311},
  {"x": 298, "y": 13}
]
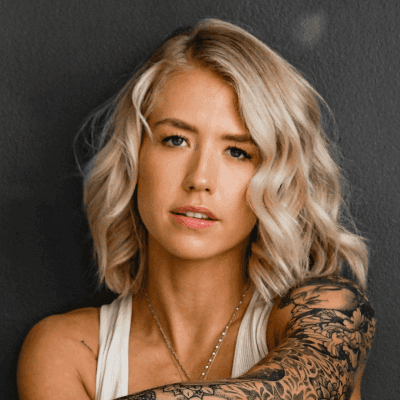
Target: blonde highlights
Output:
[{"x": 295, "y": 193}]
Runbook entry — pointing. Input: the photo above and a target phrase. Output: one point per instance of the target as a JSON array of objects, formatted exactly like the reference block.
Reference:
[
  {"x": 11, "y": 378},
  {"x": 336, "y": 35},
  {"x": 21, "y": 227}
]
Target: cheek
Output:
[
  {"x": 234, "y": 189},
  {"x": 156, "y": 181},
  {"x": 233, "y": 186},
  {"x": 157, "y": 178},
  {"x": 146, "y": 184}
]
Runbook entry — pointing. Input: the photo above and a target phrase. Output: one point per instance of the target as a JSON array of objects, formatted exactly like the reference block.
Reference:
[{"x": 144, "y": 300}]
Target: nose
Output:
[{"x": 203, "y": 171}]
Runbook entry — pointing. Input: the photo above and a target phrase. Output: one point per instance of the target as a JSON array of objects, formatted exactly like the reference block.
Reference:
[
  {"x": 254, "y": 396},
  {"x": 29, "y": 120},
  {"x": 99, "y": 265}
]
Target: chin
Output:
[{"x": 192, "y": 250}]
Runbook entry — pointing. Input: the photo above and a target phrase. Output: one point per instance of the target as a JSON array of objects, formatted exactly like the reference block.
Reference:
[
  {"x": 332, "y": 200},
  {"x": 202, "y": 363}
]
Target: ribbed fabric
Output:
[
  {"x": 112, "y": 365},
  {"x": 112, "y": 373},
  {"x": 251, "y": 341}
]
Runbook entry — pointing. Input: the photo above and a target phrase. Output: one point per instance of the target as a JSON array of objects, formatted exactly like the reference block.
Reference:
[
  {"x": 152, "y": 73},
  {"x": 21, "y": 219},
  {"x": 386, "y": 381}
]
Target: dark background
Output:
[{"x": 60, "y": 59}]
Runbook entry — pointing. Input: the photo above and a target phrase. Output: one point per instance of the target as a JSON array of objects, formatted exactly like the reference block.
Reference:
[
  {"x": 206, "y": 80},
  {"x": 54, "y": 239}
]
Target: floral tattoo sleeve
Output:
[{"x": 317, "y": 355}]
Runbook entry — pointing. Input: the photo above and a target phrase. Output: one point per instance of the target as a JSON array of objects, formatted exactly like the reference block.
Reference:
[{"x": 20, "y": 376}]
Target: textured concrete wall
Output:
[{"x": 60, "y": 59}]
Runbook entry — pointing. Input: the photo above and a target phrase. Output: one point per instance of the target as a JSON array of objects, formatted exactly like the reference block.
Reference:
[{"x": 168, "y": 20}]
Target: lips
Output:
[{"x": 182, "y": 210}]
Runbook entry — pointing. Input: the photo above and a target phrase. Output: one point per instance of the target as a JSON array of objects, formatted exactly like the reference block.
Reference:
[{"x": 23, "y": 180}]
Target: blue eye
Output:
[
  {"x": 180, "y": 141},
  {"x": 174, "y": 141},
  {"x": 238, "y": 153}
]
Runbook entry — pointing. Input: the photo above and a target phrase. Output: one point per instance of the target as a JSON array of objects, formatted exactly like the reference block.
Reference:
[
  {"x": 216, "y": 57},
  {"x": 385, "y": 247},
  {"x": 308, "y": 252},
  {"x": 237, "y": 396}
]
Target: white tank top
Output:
[{"x": 115, "y": 320}]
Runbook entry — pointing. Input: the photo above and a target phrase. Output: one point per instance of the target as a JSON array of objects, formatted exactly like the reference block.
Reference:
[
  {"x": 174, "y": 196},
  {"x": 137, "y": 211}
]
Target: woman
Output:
[{"x": 213, "y": 203}]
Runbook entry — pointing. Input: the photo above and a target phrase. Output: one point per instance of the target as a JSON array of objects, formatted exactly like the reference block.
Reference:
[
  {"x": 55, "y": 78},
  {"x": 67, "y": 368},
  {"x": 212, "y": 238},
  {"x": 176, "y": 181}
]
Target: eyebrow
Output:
[{"x": 242, "y": 138}]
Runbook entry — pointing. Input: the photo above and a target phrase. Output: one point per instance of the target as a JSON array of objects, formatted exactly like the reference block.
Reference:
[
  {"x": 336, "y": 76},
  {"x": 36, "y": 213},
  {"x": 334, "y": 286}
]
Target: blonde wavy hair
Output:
[{"x": 295, "y": 192}]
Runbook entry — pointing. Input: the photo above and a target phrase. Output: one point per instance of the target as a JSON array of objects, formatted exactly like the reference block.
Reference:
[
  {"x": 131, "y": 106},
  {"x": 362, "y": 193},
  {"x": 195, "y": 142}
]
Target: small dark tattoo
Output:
[{"x": 89, "y": 349}]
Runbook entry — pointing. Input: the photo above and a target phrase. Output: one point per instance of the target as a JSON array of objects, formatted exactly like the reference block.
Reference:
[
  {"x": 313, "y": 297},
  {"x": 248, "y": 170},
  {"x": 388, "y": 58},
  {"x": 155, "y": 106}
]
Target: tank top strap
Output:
[
  {"x": 112, "y": 373},
  {"x": 251, "y": 341}
]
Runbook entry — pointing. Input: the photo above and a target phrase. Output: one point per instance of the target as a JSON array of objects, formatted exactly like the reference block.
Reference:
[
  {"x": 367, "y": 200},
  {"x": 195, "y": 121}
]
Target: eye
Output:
[
  {"x": 173, "y": 141},
  {"x": 239, "y": 154}
]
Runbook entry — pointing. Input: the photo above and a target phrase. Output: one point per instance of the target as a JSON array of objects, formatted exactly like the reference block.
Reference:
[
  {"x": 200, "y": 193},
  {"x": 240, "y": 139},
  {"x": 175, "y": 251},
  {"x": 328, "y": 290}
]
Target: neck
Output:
[{"x": 194, "y": 299}]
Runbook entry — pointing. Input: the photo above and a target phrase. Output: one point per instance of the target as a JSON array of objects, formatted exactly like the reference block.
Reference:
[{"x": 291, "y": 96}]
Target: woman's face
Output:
[{"x": 202, "y": 156}]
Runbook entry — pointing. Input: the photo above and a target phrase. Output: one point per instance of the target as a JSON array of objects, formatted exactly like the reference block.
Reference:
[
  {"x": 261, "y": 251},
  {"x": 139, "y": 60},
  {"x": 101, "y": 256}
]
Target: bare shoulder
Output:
[
  {"x": 62, "y": 331},
  {"x": 58, "y": 356}
]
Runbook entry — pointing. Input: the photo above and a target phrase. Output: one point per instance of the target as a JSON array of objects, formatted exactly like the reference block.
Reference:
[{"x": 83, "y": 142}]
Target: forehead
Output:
[{"x": 200, "y": 95}]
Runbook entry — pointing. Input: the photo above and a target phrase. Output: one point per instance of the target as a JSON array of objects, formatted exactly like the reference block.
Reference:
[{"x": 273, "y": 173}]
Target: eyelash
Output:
[{"x": 246, "y": 155}]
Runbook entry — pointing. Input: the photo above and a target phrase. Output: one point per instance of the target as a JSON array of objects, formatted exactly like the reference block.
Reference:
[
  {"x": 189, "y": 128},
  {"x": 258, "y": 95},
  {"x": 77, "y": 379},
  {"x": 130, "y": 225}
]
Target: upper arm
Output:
[
  {"x": 321, "y": 331},
  {"x": 48, "y": 365}
]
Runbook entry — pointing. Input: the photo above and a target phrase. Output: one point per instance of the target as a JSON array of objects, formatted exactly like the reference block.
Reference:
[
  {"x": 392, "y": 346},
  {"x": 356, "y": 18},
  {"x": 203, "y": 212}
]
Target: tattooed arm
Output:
[{"x": 319, "y": 336}]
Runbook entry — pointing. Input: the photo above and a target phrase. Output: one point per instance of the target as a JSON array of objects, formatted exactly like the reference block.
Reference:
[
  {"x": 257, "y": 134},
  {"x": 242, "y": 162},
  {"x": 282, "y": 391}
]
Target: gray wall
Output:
[{"x": 60, "y": 59}]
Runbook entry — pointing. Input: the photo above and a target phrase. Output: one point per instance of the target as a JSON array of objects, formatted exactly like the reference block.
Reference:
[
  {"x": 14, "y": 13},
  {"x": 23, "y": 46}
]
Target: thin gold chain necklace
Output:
[{"x": 204, "y": 374}]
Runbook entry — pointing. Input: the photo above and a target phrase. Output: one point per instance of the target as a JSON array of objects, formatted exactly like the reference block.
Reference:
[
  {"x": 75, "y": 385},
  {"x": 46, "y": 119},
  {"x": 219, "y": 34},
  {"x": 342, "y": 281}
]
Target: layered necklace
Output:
[{"x": 204, "y": 374}]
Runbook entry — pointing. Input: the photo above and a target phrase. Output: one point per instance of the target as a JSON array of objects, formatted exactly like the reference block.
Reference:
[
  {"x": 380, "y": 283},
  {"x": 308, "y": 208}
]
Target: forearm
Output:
[
  {"x": 230, "y": 389},
  {"x": 286, "y": 373}
]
